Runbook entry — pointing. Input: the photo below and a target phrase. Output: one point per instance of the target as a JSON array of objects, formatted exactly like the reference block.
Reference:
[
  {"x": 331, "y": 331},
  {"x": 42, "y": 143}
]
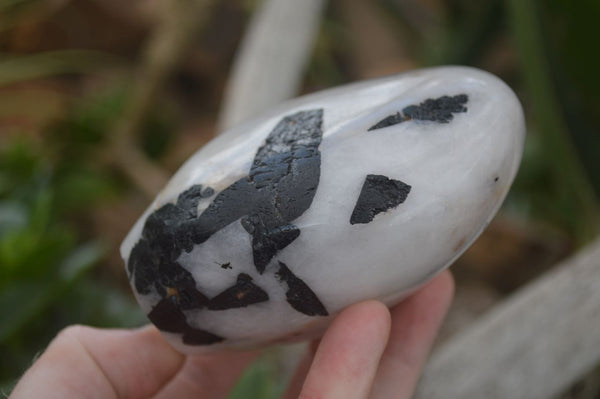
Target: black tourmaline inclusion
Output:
[
  {"x": 378, "y": 194},
  {"x": 438, "y": 110},
  {"x": 242, "y": 294},
  {"x": 168, "y": 316},
  {"x": 299, "y": 294},
  {"x": 280, "y": 186}
]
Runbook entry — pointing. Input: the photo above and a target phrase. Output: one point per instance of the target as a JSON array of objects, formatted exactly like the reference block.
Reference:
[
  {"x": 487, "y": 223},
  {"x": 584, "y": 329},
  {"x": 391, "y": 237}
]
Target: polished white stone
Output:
[{"x": 459, "y": 173}]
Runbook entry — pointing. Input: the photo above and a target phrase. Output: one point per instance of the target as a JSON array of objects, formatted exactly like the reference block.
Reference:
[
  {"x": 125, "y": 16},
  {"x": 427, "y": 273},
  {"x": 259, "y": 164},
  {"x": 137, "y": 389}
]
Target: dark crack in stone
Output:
[
  {"x": 299, "y": 295},
  {"x": 438, "y": 110},
  {"x": 240, "y": 295},
  {"x": 378, "y": 194}
]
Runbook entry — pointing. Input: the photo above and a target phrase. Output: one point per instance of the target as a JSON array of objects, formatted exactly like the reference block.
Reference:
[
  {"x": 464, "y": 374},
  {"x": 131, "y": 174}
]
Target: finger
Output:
[
  {"x": 208, "y": 376},
  {"x": 297, "y": 380},
  {"x": 347, "y": 358},
  {"x": 92, "y": 363},
  {"x": 415, "y": 323}
]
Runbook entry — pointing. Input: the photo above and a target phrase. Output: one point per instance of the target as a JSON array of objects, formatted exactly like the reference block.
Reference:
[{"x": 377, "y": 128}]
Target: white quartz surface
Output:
[{"x": 459, "y": 173}]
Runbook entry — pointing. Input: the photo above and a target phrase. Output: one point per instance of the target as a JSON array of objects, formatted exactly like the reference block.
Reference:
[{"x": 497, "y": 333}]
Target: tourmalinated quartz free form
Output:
[{"x": 360, "y": 192}]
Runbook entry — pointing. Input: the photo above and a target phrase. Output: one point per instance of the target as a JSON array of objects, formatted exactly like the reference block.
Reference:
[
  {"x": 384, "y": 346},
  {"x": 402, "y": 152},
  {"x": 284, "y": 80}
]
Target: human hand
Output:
[{"x": 368, "y": 351}]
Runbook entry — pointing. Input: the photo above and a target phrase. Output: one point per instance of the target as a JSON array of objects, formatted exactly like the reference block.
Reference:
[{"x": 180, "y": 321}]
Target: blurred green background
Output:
[{"x": 90, "y": 126}]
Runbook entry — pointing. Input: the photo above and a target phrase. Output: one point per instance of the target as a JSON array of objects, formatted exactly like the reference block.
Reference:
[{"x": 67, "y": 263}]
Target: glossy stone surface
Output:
[{"x": 363, "y": 191}]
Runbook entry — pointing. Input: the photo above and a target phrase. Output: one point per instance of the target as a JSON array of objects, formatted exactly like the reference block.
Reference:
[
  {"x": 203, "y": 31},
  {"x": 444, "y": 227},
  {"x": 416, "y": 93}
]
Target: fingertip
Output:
[
  {"x": 445, "y": 284},
  {"x": 347, "y": 358},
  {"x": 370, "y": 319},
  {"x": 425, "y": 309},
  {"x": 134, "y": 361},
  {"x": 439, "y": 291},
  {"x": 371, "y": 312},
  {"x": 416, "y": 322}
]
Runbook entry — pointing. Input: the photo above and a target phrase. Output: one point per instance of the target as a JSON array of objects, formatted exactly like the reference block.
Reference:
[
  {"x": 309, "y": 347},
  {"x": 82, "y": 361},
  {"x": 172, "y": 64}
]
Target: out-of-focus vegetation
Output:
[
  {"x": 70, "y": 185},
  {"x": 49, "y": 184}
]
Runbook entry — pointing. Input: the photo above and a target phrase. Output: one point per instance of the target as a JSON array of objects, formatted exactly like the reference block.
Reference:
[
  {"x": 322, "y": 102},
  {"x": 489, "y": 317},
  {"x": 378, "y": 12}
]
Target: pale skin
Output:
[{"x": 367, "y": 352}]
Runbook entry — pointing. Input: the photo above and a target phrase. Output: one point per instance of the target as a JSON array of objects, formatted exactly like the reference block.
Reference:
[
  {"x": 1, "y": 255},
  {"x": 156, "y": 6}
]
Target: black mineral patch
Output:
[
  {"x": 295, "y": 137},
  {"x": 266, "y": 243},
  {"x": 279, "y": 187},
  {"x": 143, "y": 267},
  {"x": 378, "y": 194},
  {"x": 242, "y": 294},
  {"x": 299, "y": 295},
  {"x": 163, "y": 228},
  {"x": 155, "y": 273},
  {"x": 187, "y": 295},
  {"x": 189, "y": 199},
  {"x": 193, "y": 336},
  {"x": 438, "y": 110},
  {"x": 168, "y": 317},
  {"x": 389, "y": 121}
]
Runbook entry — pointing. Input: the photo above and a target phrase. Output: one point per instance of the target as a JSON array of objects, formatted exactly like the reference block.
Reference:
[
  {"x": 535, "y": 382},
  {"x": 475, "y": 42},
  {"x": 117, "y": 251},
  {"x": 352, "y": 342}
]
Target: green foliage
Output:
[
  {"x": 568, "y": 28},
  {"x": 157, "y": 138},
  {"x": 46, "y": 265},
  {"x": 258, "y": 382},
  {"x": 571, "y": 202},
  {"x": 86, "y": 126}
]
